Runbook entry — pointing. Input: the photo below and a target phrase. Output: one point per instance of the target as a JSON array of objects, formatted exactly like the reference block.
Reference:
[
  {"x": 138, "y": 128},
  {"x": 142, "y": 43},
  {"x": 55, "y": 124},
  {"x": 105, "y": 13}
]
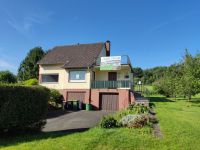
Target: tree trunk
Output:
[{"x": 189, "y": 98}]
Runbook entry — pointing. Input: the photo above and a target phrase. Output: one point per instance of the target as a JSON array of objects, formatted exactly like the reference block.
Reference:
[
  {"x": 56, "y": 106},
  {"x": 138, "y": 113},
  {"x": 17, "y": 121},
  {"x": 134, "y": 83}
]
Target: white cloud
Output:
[
  {"x": 169, "y": 22},
  {"x": 26, "y": 23},
  {"x": 39, "y": 18},
  {"x": 15, "y": 25}
]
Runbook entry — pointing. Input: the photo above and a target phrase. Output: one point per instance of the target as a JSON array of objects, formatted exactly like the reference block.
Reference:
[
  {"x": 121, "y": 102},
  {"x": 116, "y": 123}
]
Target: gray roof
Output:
[{"x": 73, "y": 56}]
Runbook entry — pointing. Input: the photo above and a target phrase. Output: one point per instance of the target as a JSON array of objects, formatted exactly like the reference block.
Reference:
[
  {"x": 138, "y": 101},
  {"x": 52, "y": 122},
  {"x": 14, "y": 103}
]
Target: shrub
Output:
[
  {"x": 138, "y": 122},
  {"x": 30, "y": 82},
  {"x": 55, "y": 97},
  {"x": 22, "y": 107},
  {"x": 139, "y": 108},
  {"x": 7, "y": 77},
  {"x": 108, "y": 122},
  {"x": 119, "y": 115},
  {"x": 126, "y": 119}
]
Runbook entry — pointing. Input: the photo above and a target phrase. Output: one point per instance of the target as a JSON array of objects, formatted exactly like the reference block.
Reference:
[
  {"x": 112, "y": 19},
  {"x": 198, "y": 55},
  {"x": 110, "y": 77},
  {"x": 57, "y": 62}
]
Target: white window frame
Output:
[{"x": 77, "y": 81}]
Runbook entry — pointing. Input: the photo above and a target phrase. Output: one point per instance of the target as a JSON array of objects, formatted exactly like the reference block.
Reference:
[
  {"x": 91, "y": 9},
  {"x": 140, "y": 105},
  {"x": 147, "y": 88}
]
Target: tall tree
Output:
[
  {"x": 191, "y": 75},
  {"x": 28, "y": 68}
]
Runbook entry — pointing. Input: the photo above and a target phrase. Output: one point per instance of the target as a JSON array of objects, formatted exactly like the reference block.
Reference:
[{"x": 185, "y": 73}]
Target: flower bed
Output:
[{"x": 135, "y": 116}]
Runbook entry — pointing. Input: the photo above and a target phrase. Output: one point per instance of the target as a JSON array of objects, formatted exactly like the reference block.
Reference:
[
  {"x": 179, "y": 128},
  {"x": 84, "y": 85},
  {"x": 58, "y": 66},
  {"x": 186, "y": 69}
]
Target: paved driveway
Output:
[{"x": 83, "y": 119}]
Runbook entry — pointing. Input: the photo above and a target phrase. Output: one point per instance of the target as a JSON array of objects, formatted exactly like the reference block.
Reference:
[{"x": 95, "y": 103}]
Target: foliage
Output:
[
  {"x": 108, "y": 122},
  {"x": 30, "y": 82},
  {"x": 7, "y": 77},
  {"x": 138, "y": 108},
  {"x": 124, "y": 116},
  {"x": 136, "y": 116},
  {"x": 170, "y": 84},
  {"x": 138, "y": 72},
  {"x": 55, "y": 97},
  {"x": 181, "y": 79},
  {"x": 29, "y": 68},
  {"x": 22, "y": 107},
  {"x": 126, "y": 119},
  {"x": 191, "y": 75},
  {"x": 139, "y": 122},
  {"x": 152, "y": 75}
]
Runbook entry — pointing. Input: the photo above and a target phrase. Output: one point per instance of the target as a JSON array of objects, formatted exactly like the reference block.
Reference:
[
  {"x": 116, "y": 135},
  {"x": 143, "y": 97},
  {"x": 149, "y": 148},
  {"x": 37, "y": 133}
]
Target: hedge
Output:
[
  {"x": 22, "y": 107},
  {"x": 30, "y": 82}
]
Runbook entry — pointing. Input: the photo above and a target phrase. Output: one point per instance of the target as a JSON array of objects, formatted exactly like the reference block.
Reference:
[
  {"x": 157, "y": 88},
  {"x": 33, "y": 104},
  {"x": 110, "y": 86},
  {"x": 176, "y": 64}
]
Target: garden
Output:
[
  {"x": 135, "y": 116},
  {"x": 178, "y": 120}
]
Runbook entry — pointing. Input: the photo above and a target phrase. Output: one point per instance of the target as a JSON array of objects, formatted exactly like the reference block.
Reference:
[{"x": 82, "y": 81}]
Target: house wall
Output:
[
  {"x": 64, "y": 82},
  {"x": 86, "y": 92},
  {"x": 124, "y": 97},
  {"x": 103, "y": 75}
]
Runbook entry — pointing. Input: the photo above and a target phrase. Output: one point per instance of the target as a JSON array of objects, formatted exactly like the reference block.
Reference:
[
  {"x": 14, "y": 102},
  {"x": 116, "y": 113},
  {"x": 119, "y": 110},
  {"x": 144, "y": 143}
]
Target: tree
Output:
[
  {"x": 191, "y": 75},
  {"x": 7, "y": 77},
  {"x": 181, "y": 79},
  {"x": 169, "y": 84},
  {"x": 154, "y": 74},
  {"x": 137, "y": 72},
  {"x": 28, "y": 68}
]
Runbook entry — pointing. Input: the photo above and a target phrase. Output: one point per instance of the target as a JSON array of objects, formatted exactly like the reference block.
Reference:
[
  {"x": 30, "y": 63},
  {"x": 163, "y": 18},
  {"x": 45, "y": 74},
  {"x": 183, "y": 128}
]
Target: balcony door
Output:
[{"x": 112, "y": 76}]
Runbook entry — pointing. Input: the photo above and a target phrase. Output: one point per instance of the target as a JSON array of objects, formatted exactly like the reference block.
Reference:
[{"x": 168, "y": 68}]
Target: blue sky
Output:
[{"x": 151, "y": 32}]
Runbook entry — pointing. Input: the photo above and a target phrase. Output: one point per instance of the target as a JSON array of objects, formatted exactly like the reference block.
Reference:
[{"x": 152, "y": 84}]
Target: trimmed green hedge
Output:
[{"x": 22, "y": 107}]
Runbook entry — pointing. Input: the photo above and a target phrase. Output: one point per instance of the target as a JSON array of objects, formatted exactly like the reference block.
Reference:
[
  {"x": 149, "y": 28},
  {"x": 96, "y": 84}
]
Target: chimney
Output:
[{"x": 107, "y": 45}]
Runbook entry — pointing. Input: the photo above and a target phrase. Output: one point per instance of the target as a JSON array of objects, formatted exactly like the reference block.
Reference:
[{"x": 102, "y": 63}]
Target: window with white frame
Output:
[{"x": 77, "y": 75}]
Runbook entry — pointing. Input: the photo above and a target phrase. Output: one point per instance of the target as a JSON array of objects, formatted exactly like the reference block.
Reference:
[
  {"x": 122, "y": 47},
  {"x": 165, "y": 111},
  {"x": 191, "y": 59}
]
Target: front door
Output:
[{"x": 112, "y": 76}]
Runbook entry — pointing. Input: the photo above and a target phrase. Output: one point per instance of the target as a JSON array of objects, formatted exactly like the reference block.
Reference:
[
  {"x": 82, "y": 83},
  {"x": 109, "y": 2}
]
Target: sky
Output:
[{"x": 152, "y": 32}]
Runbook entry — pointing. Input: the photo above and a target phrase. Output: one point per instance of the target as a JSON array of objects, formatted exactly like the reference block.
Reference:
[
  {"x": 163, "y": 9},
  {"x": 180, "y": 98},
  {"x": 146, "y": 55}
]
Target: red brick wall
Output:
[
  {"x": 124, "y": 97},
  {"x": 64, "y": 92}
]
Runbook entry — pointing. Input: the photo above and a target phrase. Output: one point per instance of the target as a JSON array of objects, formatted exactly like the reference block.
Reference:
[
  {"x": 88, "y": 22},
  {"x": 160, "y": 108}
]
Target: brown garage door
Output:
[
  {"x": 76, "y": 96},
  {"x": 109, "y": 101}
]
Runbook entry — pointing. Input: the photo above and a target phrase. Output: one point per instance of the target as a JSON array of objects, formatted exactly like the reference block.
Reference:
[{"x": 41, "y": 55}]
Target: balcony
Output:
[
  {"x": 111, "y": 84},
  {"x": 124, "y": 60}
]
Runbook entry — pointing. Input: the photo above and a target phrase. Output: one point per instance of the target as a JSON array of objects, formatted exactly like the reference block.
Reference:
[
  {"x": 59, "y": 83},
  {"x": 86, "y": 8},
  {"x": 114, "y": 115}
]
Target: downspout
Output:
[{"x": 90, "y": 87}]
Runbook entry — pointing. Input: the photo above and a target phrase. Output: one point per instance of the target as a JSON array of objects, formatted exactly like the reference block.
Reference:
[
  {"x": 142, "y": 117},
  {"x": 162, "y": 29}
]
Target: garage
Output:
[
  {"x": 76, "y": 96},
  {"x": 109, "y": 101}
]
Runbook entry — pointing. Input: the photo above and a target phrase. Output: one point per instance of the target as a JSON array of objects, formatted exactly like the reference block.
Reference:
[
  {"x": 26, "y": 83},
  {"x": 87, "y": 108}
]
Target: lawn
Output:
[{"x": 179, "y": 122}]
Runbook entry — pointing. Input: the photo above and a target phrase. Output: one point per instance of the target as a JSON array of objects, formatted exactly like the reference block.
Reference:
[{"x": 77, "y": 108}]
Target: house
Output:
[{"x": 88, "y": 73}]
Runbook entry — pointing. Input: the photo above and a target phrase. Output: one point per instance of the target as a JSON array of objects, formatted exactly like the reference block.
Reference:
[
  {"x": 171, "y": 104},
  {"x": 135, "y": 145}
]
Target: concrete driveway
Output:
[{"x": 66, "y": 120}]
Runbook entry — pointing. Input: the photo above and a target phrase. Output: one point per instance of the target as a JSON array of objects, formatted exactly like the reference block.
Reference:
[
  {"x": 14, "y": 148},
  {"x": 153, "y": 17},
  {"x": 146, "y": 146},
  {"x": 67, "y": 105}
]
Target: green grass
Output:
[
  {"x": 149, "y": 87},
  {"x": 179, "y": 122}
]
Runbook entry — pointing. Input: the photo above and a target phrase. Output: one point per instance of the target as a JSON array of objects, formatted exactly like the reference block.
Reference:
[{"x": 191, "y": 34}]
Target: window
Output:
[
  {"x": 50, "y": 78},
  {"x": 126, "y": 75},
  {"x": 77, "y": 76}
]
